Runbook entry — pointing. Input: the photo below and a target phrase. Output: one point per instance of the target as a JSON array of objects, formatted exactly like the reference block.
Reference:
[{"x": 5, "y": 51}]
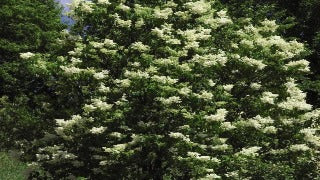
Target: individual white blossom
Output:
[{"x": 178, "y": 135}]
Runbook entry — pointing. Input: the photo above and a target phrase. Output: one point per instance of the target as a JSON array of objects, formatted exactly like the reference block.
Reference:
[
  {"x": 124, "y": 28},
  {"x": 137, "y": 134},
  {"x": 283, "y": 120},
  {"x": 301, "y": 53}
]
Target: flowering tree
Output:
[{"x": 176, "y": 90}]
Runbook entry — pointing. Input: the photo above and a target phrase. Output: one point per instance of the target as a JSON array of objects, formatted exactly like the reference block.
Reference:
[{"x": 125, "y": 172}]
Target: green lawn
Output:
[{"x": 10, "y": 168}]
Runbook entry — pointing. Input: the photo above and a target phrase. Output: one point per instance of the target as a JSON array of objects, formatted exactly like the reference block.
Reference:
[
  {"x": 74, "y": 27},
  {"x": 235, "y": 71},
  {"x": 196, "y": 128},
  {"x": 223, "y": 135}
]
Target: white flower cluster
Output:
[
  {"x": 104, "y": 2},
  {"x": 178, "y": 135},
  {"x": 205, "y": 95},
  {"x": 218, "y": 117},
  {"x": 310, "y": 136},
  {"x": 139, "y": 46},
  {"x": 255, "y": 86},
  {"x": 26, "y": 55},
  {"x": 256, "y": 122},
  {"x": 122, "y": 23},
  {"x": 228, "y": 87},
  {"x": 101, "y": 75},
  {"x": 296, "y": 99},
  {"x": 253, "y": 62},
  {"x": 202, "y": 158},
  {"x": 227, "y": 126},
  {"x": 170, "y": 100},
  {"x": 251, "y": 151},
  {"x": 164, "y": 79},
  {"x": 98, "y": 103},
  {"x": 98, "y": 130},
  {"x": 268, "y": 26},
  {"x": 268, "y": 97},
  {"x": 116, "y": 149},
  {"x": 162, "y": 13},
  {"x": 71, "y": 70},
  {"x": 210, "y": 60},
  {"x": 299, "y": 147},
  {"x": 123, "y": 7},
  {"x": 138, "y": 74},
  {"x": 198, "y": 7},
  {"x": 302, "y": 65},
  {"x": 75, "y": 119}
]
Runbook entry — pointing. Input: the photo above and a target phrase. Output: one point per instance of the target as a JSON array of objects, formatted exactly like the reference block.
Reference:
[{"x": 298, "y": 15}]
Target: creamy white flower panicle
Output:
[
  {"x": 162, "y": 13},
  {"x": 27, "y": 55},
  {"x": 302, "y": 65},
  {"x": 164, "y": 79},
  {"x": 251, "y": 151},
  {"x": 124, "y": 7},
  {"x": 255, "y": 86},
  {"x": 228, "y": 87},
  {"x": 170, "y": 100},
  {"x": 253, "y": 62},
  {"x": 310, "y": 136},
  {"x": 268, "y": 97},
  {"x": 139, "y": 46},
  {"x": 101, "y": 75},
  {"x": 122, "y": 23},
  {"x": 218, "y": 117},
  {"x": 98, "y": 130},
  {"x": 296, "y": 99},
  {"x": 178, "y": 135},
  {"x": 198, "y": 7},
  {"x": 268, "y": 26},
  {"x": 71, "y": 70},
  {"x": 104, "y": 2},
  {"x": 299, "y": 147},
  {"x": 210, "y": 60}
]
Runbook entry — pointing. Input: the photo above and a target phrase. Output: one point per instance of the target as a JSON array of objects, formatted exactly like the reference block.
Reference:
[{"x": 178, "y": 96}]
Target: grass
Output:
[{"x": 11, "y": 168}]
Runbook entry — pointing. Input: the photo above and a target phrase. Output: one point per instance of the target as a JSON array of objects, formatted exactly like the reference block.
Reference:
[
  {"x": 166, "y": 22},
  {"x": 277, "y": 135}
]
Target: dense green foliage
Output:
[
  {"x": 27, "y": 25},
  {"x": 299, "y": 19},
  {"x": 27, "y": 100},
  {"x": 179, "y": 90},
  {"x": 175, "y": 89}
]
